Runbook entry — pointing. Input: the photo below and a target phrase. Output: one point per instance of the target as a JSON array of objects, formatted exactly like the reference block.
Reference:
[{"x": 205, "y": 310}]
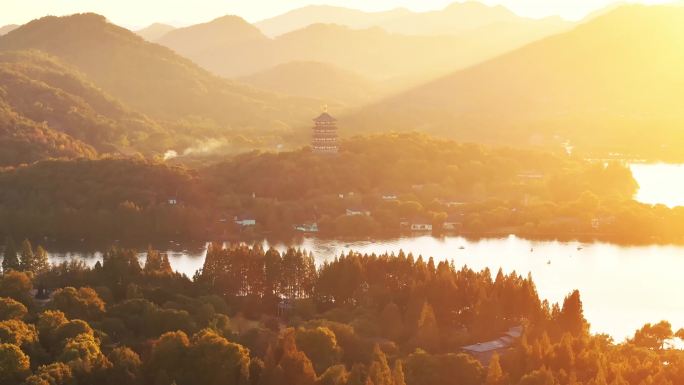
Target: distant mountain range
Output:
[
  {"x": 231, "y": 47},
  {"x": 317, "y": 80},
  {"x": 613, "y": 84},
  {"x": 7, "y": 28},
  {"x": 151, "y": 78},
  {"x": 155, "y": 31},
  {"x": 102, "y": 88},
  {"x": 455, "y": 19},
  {"x": 80, "y": 86}
]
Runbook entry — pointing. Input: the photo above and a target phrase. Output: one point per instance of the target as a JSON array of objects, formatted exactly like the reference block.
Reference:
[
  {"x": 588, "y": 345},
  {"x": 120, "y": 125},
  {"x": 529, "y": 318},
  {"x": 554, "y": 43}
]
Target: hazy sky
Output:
[{"x": 137, "y": 13}]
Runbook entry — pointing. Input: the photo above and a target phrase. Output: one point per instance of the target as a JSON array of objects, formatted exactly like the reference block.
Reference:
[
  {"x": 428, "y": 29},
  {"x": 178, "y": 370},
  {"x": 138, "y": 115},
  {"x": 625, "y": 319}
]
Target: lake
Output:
[
  {"x": 622, "y": 287},
  {"x": 659, "y": 183}
]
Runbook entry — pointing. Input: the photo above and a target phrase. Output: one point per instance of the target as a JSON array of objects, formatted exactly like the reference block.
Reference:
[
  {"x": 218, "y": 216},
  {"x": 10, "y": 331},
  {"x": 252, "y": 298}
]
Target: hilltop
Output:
[
  {"x": 154, "y": 31},
  {"x": 454, "y": 19},
  {"x": 315, "y": 79},
  {"x": 610, "y": 85},
  {"x": 153, "y": 79},
  {"x": 378, "y": 46}
]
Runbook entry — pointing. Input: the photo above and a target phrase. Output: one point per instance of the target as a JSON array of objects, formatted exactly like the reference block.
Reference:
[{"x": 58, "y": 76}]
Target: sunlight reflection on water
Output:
[{"x": 659, "y": 183}]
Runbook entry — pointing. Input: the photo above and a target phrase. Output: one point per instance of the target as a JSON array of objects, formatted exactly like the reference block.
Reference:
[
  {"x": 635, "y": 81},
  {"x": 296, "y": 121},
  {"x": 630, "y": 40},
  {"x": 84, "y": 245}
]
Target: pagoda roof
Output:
[{"x": 325, "y": 118}]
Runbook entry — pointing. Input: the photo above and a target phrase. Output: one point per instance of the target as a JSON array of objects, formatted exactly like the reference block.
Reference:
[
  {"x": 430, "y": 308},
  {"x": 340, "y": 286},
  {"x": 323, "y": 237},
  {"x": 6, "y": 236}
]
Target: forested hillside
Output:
[
  {"x": 49, "y": 93},
  {"x": 261, "y": 317},
  {"x": 154, "y": 80},
  {"x": 386, "y": 179},
  {"x": 609, "y": 86}
]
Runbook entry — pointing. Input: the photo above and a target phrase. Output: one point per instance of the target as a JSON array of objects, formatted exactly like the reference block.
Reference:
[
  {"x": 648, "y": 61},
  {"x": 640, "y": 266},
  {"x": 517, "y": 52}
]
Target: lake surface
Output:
[
  {"x": 622, "y": 287},
  {"x": 659, "y": 183}
]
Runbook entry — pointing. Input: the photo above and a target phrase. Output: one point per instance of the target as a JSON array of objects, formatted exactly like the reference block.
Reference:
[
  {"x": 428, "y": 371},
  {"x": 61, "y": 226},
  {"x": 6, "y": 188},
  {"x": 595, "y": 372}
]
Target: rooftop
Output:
[{"x": 325, "y": 118}]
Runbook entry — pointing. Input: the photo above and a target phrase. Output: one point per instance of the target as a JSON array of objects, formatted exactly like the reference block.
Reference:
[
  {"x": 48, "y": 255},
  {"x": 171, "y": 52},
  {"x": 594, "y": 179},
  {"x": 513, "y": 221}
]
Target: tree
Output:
[
  {"x": 494, "y": 373},
  {"x": 41, "y": 262},
  {"x": 10, "y": 259},
  {"x": 287, "y": 364},
  {"x": 14, "y": 364},
  {"x": 320, "y": 345},
  {"x": 48, "y": 323},
  {"x": 427, "y": 334},
  {"x": 82, "y": 353},
  {"x": 11, "y": 309},
  {"x": 16, "y": 285},
  {"x": 538, "y": 377},
  {"x": 392, "y": 321},
  {"x": 168, "y": 357},
  {"x": 334, "y": 375},
  {"x": 83, "y": 303},
  {"x": 125, "y": 368},
  {"x": 379, "y": 371},
  {"x": 27, "y": 262},
  {"x": 571, "y": 318},
  {"x": 213, "y": 360},
  {"x": 57, "y": 373},
  {"x": 18, "y": 333},
  {"x": 655, "y": 336},
  {"x": 398, "y": 373}
]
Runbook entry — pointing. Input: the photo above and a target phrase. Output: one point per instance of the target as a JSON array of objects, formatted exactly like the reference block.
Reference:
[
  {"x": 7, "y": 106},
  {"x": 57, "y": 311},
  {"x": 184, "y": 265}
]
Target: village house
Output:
[
  {"x": 453, "y": 223},
  {"x": 389, "y": 197},
  {"x": 307, "y": 227},
  {"x": 244, "y": 221},
  {"x": 357, "y": 211},
  {"x": 484, "y": 351},
  {"x": 421, "y": 225}
]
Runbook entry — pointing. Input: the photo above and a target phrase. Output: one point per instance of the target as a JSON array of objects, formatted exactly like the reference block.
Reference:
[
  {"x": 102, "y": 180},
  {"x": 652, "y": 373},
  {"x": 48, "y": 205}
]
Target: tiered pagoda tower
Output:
[{"x": 324, "y": 138}]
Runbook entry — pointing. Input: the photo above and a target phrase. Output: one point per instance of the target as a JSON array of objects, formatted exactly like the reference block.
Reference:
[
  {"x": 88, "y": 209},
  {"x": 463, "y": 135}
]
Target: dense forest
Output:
[
  {"x": 254, "y": 316},
  {"x": 386, "y": 180}
]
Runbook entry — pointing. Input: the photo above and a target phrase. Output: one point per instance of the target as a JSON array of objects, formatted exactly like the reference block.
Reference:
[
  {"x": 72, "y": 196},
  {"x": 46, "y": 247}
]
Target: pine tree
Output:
[
  {"x": 27, "y": 262},
  {"x": 10, "y": 259},
  {"x": 494, "y": 372},
  {"x": 41, "y": 261},
  {"x": 398, "y": 373},
  {"x": 379, "y": 371}
]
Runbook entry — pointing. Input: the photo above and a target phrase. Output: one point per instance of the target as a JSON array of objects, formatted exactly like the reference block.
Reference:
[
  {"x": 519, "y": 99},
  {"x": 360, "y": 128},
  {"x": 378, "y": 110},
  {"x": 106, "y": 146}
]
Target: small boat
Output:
[
  {"x": 531, "y": 250},
  {"x": 579, "y": 248},
  {"x": 548, "y": 262},
  {"x": 461, "y": 248}
]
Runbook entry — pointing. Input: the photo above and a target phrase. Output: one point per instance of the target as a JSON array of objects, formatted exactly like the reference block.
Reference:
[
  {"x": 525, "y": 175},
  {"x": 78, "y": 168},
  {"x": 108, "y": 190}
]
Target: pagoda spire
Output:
[{"x": 324, "y": 137}]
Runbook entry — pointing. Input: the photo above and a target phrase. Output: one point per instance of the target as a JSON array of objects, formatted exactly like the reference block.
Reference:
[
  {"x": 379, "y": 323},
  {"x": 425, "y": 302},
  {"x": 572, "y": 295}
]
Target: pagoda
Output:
[{"x": 324, "y": 138}]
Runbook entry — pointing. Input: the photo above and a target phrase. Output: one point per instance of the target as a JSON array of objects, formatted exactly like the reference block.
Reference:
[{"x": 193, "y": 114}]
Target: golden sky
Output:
[{"x": 138, "y": 13}]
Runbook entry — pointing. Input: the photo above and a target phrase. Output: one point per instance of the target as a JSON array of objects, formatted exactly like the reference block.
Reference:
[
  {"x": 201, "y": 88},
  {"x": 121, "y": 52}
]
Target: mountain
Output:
[
  {"x": 154, "y": 80},
  {"x": 47, "y": 92},
  {"x": 455, "y": 19},
  {"x": 233, "y": 36},
  {"x": 613, "y": 84},
  {"x": 316, "y": 80},
  {"x": 7, "y": 28},
  {"x": 155, "y": 31},
  {"x": 372, "y": 53},
  {"x": 326, "y": 14},
  {"x": 25, "y": 141},
  {"x": 233, "y": 48}
]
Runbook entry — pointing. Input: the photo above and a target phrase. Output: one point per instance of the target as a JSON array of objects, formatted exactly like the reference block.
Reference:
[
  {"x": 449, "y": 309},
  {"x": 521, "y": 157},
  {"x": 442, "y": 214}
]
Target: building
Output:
[
  {"x": 389, "y": 197},
  {"x": 453, "y": 223},
  {"x": 244, "y": 221},
  {"x": 484, "y": 351},
  {"x": 353, "y": 211},
  {"x": 324, "y": 138},
  {"x": 307, "y": 227},
  {"x": 421, "y": 224}
]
